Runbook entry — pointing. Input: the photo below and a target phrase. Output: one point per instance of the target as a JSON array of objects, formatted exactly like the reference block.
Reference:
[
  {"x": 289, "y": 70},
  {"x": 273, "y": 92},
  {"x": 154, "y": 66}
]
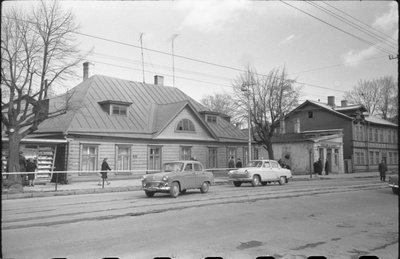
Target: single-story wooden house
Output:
[{"x": 137, "y": 126}]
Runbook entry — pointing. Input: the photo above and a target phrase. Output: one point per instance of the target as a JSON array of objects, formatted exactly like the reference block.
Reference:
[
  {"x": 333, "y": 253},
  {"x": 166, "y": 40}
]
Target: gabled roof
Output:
[
  {"x": 319, "y": 104},
  {"x": 341, "y": 111},
  {"x": 151, "y": 108}
]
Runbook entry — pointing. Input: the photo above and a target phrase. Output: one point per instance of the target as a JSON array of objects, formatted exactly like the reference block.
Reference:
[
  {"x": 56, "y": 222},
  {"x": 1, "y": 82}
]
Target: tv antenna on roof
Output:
[
  {"x": 173, "y": 61},
  {"x": 141, "y": 47}
]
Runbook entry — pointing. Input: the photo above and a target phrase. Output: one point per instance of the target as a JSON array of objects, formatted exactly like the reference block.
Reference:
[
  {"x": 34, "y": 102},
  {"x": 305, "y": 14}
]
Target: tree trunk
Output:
[
  {"x": 14, "y": 180},
  {"x": 270, "y": 152}
]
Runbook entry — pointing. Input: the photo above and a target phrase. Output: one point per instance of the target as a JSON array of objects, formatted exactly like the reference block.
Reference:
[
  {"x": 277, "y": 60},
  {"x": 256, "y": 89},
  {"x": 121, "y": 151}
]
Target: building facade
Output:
[
  {"x": 367, "y": 139},
  {"x": 137, "y": 126}
]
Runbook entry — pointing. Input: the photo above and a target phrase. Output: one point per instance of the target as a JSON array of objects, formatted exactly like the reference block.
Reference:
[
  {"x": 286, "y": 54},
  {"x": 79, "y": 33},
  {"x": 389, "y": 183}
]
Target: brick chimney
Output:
[
  {"x": 87, "y": 70},
  {"x": 158, "y": 80},
  {"x": 331, "y": 101},
  {"x": 344, "y": 103}
]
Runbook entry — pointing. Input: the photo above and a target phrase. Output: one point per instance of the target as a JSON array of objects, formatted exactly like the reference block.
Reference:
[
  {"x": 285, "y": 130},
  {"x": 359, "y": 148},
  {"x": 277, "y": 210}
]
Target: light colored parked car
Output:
[
  {"x": 177, "y": 177},
  {"x": 260, "y": 171}
]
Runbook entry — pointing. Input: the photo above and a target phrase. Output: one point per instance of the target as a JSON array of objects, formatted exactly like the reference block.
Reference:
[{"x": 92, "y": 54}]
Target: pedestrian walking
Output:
[
  {"x": 231, "y": 163},
  {"x": 326, "y": 167},
  {"x": 31, "y": 167},
  {"x": 239, "y": 164},
  {"x": 320, "y": 166},
  {"x": 382, "y": 170},
  {"x": 104, "y": 168}
]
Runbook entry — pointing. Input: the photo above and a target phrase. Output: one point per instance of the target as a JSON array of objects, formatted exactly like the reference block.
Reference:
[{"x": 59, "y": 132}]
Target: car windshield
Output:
[
  {"x": 254, "y": 164},
  {"x": 172, "y": 167}
]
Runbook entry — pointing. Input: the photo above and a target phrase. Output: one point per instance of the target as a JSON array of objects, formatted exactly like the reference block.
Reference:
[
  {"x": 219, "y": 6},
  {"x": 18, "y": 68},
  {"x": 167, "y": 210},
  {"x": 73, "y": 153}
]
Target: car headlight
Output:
[
  {"x": 165, "y": 178},
  {"x": 142, "y": 178}
]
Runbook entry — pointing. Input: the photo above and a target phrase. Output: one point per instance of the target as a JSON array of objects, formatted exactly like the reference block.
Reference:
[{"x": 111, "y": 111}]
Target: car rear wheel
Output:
[
  {"x": 282, "y": 180},
  {"x": 174, "y": 191},
  {"x": 204, "y": 187},
  {"x": 237, "y": 184},
  {"x": 255, "y": 181},
  {"x": 149, "y": 194},
  {"x": 395, "y": 190}
]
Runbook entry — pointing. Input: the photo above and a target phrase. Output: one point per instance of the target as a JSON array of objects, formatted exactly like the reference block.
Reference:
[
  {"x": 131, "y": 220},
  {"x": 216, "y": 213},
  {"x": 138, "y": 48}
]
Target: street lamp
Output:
[{"x": 245, "y": 88}]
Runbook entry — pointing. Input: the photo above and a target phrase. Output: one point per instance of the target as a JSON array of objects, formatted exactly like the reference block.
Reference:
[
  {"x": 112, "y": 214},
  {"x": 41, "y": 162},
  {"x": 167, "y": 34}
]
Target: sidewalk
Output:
[{"x": 47, "y": 189}]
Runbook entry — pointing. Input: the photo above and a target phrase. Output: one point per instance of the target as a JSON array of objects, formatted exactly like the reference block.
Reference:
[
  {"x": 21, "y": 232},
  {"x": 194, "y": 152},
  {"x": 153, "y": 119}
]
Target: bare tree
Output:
[
  {"x": 269, "y": 97},
  {"x": 37, "y": 52},
  {"x": 379, "y": 96},
  {"x": 223, "y": 103}
]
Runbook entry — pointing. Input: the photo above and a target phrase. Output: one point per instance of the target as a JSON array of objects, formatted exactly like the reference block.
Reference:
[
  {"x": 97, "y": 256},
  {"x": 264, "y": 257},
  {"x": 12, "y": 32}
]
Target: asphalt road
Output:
[{"x": 334, "y": 218}]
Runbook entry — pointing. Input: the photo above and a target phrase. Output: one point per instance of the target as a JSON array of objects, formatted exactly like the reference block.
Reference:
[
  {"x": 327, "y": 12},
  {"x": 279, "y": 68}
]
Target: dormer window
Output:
[
  {"x": 119, "y": 110},
  {"x": 115, "y": 108},
  {"x": 185, "y": 125},
  {"x": 212, "y": 118}
]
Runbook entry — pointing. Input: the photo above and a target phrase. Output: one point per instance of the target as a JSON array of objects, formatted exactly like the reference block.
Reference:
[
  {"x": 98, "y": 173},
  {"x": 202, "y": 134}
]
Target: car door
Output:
[
  {"x": 276, "y": 170},
  {"x": 267, "y": 173},
  {"x": 200, "y": 174},
  {"x": 189, "y": 177}
]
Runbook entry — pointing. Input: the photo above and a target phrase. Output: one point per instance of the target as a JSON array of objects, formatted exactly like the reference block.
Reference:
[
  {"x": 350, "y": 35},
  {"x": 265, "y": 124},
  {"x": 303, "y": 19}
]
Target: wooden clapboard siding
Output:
[{"x": 139, "y": 156}]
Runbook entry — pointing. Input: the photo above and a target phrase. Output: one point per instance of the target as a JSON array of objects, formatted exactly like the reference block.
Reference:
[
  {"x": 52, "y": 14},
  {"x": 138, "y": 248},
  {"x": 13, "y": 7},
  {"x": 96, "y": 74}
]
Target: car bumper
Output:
[
  {"x": 392, "y": 185},
  {"x": 240, "y": 179},
  {"x": 156, "y": 187}
]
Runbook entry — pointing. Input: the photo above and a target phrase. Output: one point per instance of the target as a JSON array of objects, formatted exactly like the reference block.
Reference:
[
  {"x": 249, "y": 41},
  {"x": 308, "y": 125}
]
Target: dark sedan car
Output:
[{"x": 177, "y": 177}]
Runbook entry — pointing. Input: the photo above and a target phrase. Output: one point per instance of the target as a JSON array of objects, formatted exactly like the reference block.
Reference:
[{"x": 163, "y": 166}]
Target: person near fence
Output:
[
  {"x": 326, "y": 167},
  {"x": 239, "y": 164},
  {"x": 382, "y": 170},
  {"x": 316, "y": 168},
  {"x": 104, "y": 168},
  {"x": 22, "y": 164},
  {"x": 231, "y": 163},
  {"x": 31, "y": 167}
]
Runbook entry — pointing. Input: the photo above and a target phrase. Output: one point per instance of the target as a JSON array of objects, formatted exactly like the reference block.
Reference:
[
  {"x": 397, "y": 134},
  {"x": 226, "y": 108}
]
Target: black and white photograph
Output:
[{"x": 229, "y": 129}]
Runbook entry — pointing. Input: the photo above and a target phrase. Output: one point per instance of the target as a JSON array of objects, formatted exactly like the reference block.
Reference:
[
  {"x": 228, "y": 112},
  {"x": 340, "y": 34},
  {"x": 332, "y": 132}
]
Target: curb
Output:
[{"x": 51, "y": 193}]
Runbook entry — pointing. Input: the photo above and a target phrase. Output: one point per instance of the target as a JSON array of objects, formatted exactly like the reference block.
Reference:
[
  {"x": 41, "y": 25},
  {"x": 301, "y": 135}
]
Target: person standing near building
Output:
[
  {"x": 326, "y": 167},
  {"x": 31, "y": 167},
  {"x": 104, "y": 168},
  {"x": 382, "y": 170},
  {"x": 316, "y": 168},
  {"x": 321, "y": 166},
  {"x": 239, "y": 164},
  {"x": 231, "y": 163}
]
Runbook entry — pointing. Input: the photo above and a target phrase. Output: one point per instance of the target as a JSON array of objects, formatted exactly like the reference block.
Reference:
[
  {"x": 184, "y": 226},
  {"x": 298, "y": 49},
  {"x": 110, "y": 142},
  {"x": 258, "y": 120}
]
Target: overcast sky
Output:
[{"x": 217, "y": 39}]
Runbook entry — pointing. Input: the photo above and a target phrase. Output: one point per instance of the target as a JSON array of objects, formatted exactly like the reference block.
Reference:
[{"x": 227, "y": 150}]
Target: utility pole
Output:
[
  {"x": 246, "y": 90},
  {"x": 141, "y": 47},
  {"x": 173, "y": 57}
]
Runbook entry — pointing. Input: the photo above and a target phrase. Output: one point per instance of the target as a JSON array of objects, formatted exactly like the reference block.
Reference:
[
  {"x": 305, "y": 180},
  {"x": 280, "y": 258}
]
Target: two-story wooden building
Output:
[{"x": 367, "y": 139}]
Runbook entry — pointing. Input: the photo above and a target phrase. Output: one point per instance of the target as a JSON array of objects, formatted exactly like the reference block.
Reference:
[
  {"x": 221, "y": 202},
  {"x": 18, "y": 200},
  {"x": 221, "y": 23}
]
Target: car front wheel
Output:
[
  {"x": 255, "y": 181},
  {"x": 174, "y": 191},
  {"x": 204, "y": 187},
  {"x": 149, "y": 194},
  {"x": 282, "y": 180}
]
